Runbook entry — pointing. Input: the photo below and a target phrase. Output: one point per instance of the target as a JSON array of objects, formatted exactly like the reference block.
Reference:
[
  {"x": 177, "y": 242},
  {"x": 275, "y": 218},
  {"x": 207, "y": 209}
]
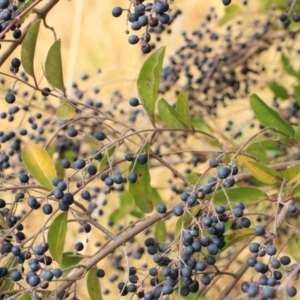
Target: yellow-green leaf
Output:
[
  {"x": 297, "y": 93},
  {"x": 182, "y": 108},
  {"x": 141, "y": 190},
  {"x": 66, "y": 112},
  {"x": 296, "y": 191},
  {"x": 243, "y": 194},
  {"x": 297, "y": 134},
  {"x": 160, "y": 231},
  {"x": 39, "y": 164},
  {"x": 57, "y": 236},
  {"x": 292, "y": 174},
  {"x": 263, "y": 173},
  {"x": 156, "y": 198},
  {"x": 230, "y": 12},
  {"x": 7, "y": 284},
  {"x": 193, "y": 177},
  {"x": 258, "y": 151},
  {"x": 93, "y": 285},
  {"x": 53, "y": 66},
  {"x": 107, "y": 157},
  {"x": 294, "y": 248},
  {"x": 28, "y": 48},
  {"x": 237, "y": 236}
]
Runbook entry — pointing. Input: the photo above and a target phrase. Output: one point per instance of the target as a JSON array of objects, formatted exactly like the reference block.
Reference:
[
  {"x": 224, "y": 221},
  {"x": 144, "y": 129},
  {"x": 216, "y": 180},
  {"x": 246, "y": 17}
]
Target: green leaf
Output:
[
  {"x": 137, "y": 213},
  {"x": 126, "y": 207},
  {"x": 28, "y": 48},
  {"x": 186, "y": 220},
  {"x": 297, "y": 134},
  {"x": 57, "y": 236},
  {"x": 7, "y": 284},
  {"x": 53, "y": 66},
  {"x": 160, "y": 231},
  {"x": 265, "y": 5},
  {"x": 22, "y": 6},
  {"x": 297, "y": 93},
  {"x": 182, "y": 108},
  {"x": 292, "y": 174},
  {"x": 66, "y": 112},
  {"x": 29, "y": 297},
  {"x": 70, "y": 259},
  {"x": 230, "y": 12},
  {"x": 193, "y": 177},
  {"x": 263, "y": 173},
  {"x": 24, "y": 297},
  {"x": 237, "y": 236},
  {"x": 269, "y": 117},
  {"x": 168, "y": 114},
  {"x": 243, "y": 194},
  {"x": 141, "y": 190},
  {"x": 39, "y": 164},
  {"x": 288, "y": 67},
  {"x": 3, "y": 222},
  {"x": 107, "y": 157},
  {"x": 156, "y": 198},
  {"x": 149, "y": 79},
  {"x": 279, "y": 90},
  {"x": 199, "y": 123},
  {"x": 294, "y": 248},
  {"x": 93, "y": 285},
  {"x": 258, "y": 151},
  {"x": 263, "y": 149},
  {"x": 296, "y": 191}
]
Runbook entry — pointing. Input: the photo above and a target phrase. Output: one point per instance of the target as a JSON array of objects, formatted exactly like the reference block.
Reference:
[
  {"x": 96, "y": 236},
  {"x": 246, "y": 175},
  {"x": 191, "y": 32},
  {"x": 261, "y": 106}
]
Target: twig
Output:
[{"x": 40, "y": 14}]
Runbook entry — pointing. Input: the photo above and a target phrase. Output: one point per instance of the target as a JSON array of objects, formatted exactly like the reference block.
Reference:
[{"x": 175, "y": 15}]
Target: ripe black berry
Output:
[
  {"x": 132, "y": 177},
  {"x": 226, "y": 2},
  {"x": 10, "y": 98},
  {"x": 117, "y": 11},
  {"x": 161, "y": 208},
  {"x": 15, "y": 63},
  {"x": 223, "y": 172},
  {"x": 100, "y": 136},
  {"x": 79, "y": 246},
  {"x": 79, "y": 164},
  {"x": 134, "y": 102},
  {"x": 47, "y": 209},
  {"x": 213, "y": 163},
  {"x": 45, "y": 92}
]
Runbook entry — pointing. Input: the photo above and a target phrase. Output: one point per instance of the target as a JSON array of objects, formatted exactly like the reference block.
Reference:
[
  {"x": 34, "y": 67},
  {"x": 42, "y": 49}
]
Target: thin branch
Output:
[
  {"x": 40, "y": 14},
  {"x": 123, "y": 237}
]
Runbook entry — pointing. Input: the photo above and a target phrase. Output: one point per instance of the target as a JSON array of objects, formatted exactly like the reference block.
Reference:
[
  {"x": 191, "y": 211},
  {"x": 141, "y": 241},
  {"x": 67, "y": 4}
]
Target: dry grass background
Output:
[{"x": 93, "y": 39}]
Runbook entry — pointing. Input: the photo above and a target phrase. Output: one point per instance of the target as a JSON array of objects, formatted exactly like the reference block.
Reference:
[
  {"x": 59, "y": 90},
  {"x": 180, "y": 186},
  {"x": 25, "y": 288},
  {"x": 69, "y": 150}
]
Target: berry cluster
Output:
[
  {"x": 218, "y": 67},
  {"x": 8, "y": 12},
  {"x": 270, "y": 273},
  {"x": 151, "y": 16}
]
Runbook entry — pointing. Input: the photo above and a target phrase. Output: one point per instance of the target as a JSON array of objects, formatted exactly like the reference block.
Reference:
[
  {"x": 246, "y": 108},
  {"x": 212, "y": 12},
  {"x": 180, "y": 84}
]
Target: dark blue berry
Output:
[
  {"x": 161, "y": 208},
  {"x": 117, "y": 11},
  {"x": 133, "y": 39},
  {"x": 132, "y": 177}
]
